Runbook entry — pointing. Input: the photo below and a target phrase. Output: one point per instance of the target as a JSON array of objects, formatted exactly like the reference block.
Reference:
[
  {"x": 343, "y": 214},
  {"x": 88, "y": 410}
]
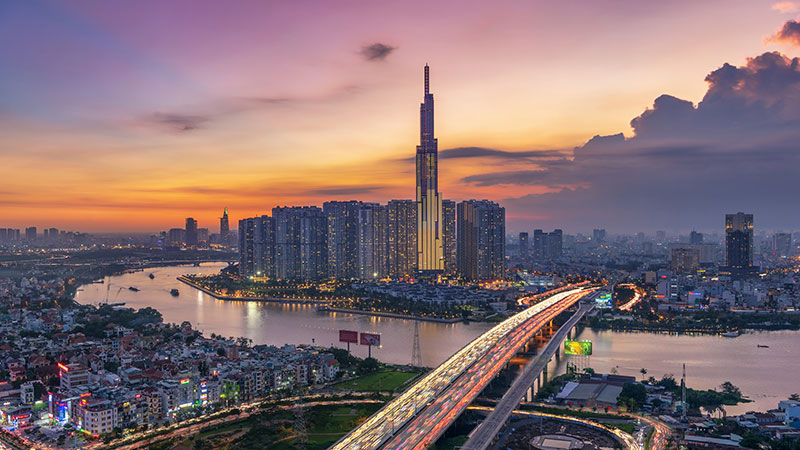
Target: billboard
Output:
[
  {"x": 370, "y": 339},
  {"x": 583, "y": 348},
  {"x": 348, "y": 336},
  {"x": 604, "y": 301}
]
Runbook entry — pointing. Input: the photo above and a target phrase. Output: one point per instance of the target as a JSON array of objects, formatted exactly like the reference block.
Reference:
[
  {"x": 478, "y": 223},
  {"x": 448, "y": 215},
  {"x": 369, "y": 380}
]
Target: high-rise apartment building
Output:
[
  {"x": 524, "y": 244},
  {"x": 30, "y": 234},
  {"x": 342, "y": 240},
  {"x": 300, "y": 242},
  {"x": 782, "y": 244},
  {"x": 373, "y": 225},
  {"x": 401, "y": 238},
  {"x": 191, "y": 232},
  {"x": 429, "y": 200},
  {"x": 176, "y": 236},
  {"x": 481, "y": 239},
  {"x": 686, "y": 258},
  {"x": 449, "y": 237},
  {"x": 257, "y": 247},
  {"x": 695, "y": 237},
  {"x": 599, "y": 235},
  {"x": 548, "y": 245}
]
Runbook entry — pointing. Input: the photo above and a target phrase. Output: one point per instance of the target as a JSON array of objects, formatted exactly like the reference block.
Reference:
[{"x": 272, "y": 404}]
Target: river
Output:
[{"x": 765, "y": 375}]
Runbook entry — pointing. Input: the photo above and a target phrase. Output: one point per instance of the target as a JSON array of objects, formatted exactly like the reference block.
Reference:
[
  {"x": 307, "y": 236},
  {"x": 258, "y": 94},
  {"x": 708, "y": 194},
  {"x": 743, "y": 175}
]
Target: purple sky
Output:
[{"x": 133, "y": 115}]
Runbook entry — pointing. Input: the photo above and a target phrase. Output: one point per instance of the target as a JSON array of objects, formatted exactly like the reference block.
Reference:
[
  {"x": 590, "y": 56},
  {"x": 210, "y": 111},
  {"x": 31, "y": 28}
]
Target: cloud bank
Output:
[{"x": 686, "y": 165}]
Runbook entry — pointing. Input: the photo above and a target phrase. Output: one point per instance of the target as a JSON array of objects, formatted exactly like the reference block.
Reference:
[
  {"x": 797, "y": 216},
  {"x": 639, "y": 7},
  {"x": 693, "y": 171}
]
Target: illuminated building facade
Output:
[{"x": 481, "y": 239}]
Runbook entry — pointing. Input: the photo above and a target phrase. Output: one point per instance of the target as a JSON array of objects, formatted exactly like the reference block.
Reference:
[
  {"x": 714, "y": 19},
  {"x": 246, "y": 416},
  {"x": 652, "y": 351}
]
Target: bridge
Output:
[
  {"x": 485, "y": 433},
  {"x": 420, "y": 415}
]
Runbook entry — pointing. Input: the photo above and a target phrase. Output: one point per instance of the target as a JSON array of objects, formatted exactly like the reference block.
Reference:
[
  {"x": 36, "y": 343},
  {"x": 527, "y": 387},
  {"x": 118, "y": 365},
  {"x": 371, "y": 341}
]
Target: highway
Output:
[
  {"x": 485, "y": 433},
  {"x": 419, "y": 416}
]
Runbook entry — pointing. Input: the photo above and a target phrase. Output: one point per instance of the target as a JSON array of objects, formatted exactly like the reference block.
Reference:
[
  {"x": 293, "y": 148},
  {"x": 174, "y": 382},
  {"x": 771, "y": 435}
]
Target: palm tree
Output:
[{"x": 643, "y": 372}]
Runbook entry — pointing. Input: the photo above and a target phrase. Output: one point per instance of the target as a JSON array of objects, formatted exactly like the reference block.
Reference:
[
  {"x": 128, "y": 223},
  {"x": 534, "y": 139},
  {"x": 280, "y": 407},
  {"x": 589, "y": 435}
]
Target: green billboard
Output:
[{"x": 582, "y": 348}]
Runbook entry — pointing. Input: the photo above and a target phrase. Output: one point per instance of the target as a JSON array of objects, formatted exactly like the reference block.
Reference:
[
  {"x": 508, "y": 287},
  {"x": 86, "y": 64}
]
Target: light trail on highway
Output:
[{"x": 444, "y": 393}]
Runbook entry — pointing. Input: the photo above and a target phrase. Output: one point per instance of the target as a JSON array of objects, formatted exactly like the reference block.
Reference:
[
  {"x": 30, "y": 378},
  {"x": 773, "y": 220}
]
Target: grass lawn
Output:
[
  {"x": 627, "y": 427},
  {"x": 388, "y": 380}
]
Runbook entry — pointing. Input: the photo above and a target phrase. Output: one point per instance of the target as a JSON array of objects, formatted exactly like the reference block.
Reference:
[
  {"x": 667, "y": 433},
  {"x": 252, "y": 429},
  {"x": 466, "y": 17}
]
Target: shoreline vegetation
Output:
[
  {"x": 698, "y": 322},
  {"x": 332, "y": 297}
]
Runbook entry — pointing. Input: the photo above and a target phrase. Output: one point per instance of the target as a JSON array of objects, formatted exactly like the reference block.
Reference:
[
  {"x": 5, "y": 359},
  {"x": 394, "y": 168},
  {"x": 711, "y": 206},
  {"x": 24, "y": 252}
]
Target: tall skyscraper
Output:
[
  {"x": 481, "y": 239},
  {"x": 401, "y": 238},
  {"x": 599, "y": 235},
  {"x": 429, "y": 200},
  {"x": 449, "y": 237},
  {"x": 191, "y": 232},
  {"x": 738, "y": 245},
  {"x": 342, "y": 251},
  {"x": 739, "y": 240},
  {"x": 30, "y": 234},
  {"x": 224, "y": 227}
]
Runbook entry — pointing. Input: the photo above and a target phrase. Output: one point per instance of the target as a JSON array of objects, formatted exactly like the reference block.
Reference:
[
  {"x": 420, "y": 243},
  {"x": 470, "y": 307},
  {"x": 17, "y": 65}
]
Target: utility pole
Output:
[
  {"x": 683, "y": 395},
  {"x": 416, "y": 352}
]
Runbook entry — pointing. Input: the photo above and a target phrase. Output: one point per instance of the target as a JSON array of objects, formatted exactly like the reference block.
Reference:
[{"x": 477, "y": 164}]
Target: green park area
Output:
[{"x": 383, "y": 381}]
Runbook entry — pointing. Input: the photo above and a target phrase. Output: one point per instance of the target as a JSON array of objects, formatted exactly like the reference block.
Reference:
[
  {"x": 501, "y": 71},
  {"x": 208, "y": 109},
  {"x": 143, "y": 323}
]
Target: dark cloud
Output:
[
  {"x": 788, "y": 34},
  {"x": 176, "y": 122},
  {"x": 480, "y": 152},
  {"x": 344, "y": 190},
  {"x": 686, "y": 165},
  {"x": 376, "y": 51}
]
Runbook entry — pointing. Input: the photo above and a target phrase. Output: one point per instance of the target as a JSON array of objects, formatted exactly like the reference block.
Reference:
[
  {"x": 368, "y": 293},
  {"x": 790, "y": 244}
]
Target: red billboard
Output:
[
  {"x": 371, "y": 339},
  {"x": 348, "y": 336}
]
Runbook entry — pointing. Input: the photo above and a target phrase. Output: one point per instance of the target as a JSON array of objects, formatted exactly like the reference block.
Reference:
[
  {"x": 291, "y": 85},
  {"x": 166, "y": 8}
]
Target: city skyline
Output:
[{"x": 121, "y": 126}]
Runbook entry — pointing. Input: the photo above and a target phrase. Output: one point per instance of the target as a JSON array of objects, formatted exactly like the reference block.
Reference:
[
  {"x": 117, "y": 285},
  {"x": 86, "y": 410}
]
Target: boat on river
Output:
[
  {"x": 134, "y": 289},
  {"x": 730, "y": 334},
  {"x": 175, "y": 292}
]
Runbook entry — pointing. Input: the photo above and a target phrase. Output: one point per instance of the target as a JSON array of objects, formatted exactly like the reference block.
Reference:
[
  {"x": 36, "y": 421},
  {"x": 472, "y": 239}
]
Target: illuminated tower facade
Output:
[{"x": 430, "y": 255}]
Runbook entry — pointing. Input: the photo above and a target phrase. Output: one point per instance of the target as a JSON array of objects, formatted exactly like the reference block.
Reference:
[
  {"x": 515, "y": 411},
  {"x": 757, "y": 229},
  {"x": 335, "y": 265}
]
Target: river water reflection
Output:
[{"x": 764, "y": 374}]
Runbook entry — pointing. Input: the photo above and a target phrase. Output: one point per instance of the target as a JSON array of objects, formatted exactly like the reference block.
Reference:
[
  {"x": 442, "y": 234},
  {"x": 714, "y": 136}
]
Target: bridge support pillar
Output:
[{"x": 544, "y": 373}]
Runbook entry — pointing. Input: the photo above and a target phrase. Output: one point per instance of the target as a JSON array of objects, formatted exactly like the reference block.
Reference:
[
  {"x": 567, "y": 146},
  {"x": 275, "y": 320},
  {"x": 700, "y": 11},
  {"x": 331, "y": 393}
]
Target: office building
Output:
[
  {"x": 429, "y": 200},
  {"x": 224, "y": 227},
  {"x": 191, "y": 232},
  {"x": 342, "y": 239},
  {"x": 449, "y": 237},
  {"x": 738, "y": 245},
  {"x": 695, "y": 238},
  {"x": 202, "y": 235},
  {"x": 401, "y": 238},
  {"x": 739, "y": 240},
  {"x": 481, "y": 239},
  {"x": 372, "y": 241}
]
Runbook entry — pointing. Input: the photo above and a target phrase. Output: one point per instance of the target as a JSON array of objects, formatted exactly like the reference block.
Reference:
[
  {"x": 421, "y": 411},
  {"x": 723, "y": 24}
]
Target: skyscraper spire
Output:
[{"x": 427, "y": 79}]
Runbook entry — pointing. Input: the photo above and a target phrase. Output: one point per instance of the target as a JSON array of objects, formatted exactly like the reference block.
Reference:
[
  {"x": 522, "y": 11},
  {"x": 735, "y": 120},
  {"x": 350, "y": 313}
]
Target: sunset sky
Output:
[{"x": 131, "y": 116}]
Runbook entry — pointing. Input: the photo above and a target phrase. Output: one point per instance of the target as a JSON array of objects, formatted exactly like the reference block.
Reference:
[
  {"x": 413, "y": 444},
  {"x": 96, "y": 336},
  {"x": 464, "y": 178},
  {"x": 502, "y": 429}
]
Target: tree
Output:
[
  {"x": 633, "y": 395},
  {"x": 795, "y": 397},
  {"x": 728, "y": 388},
  {"x": 643, "y": 372}
]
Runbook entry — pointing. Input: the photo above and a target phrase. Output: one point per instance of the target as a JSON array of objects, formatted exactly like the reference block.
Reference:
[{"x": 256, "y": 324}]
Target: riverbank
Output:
[
  {"x": 219, "y": 296},
  {"x": 392, "y": 315}
]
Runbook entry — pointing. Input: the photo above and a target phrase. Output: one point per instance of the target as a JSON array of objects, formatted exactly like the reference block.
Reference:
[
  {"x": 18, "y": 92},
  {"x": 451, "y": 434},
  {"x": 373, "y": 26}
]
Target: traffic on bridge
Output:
[{"x": 420, "y": 415}]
